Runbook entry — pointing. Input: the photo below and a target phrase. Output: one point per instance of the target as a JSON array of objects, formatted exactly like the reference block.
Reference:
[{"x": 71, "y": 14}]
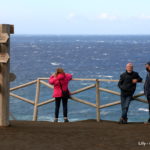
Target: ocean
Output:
[{"x": 93, "y": 56}]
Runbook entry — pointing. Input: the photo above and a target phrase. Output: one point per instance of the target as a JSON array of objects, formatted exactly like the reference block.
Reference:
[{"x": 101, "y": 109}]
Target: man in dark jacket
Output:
[
  {"x": 127, "y": 85},
  {"x": 147, "y": 86}
]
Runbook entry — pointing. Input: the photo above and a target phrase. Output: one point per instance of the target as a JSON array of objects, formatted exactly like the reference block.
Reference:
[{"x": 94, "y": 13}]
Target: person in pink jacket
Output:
[{"x": 60, "y": 80}]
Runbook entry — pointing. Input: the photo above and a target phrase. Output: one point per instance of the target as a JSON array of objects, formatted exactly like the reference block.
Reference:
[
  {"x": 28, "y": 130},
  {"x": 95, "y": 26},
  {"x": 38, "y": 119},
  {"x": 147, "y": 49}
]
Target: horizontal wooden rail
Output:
[
  {"x": 141, "y": 100},
  {"x": 138, "y": 95},
  {"x": 109, "y": 104},
  {"x": 82, "y": 101},
  {"x": 83, "y": 89},
  {"x": 46, "y": 102},
  {"x": 42, "y": 78},
  {"x": 22, "y": 98},
  {"x": 82, "y": 79},
  {"x": 86, "y": 79},
  {"x": 46, "y": 84},
  {"x": 109, "y": 91},
  {"x": 107, "y": 80},
  {"x": 23, "y": 85}
]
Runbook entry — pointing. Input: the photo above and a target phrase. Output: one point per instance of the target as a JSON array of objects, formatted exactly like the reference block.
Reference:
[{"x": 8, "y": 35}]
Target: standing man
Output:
[
  {"x": 127, "y": 85},
  {"x": 147, "y": 86}
]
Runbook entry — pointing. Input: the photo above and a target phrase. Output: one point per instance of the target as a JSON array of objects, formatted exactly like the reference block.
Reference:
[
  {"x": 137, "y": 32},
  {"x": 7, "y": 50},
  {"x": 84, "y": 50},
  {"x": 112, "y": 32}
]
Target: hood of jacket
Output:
[{"x": 61, "y": 76}]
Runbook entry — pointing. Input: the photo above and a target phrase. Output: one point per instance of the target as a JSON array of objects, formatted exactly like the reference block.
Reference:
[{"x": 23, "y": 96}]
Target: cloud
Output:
[
  {"x": 91, "y": 17},
  {"x": 106, "y": 16},
  {"x": 71, "y": 16},
  {"x": 144, "y": 17}
]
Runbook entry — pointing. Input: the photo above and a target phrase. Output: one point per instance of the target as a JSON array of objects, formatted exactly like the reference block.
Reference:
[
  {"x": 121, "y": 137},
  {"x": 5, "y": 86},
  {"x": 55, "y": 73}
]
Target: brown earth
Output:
[{"x": 83, "y": 135}]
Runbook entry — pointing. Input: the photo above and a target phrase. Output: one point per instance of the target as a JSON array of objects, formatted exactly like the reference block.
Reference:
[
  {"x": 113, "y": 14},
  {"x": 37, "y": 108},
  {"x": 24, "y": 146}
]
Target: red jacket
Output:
[{"x": 64, "y": 79}]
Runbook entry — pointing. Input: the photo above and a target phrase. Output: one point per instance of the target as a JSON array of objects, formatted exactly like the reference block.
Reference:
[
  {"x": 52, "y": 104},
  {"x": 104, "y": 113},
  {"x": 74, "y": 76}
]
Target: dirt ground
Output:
[{"x": 83, "y": 135}]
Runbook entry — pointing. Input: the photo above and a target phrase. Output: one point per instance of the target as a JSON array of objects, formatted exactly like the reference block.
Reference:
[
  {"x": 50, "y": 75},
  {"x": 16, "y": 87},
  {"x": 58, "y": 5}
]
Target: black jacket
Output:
[
  {"x": 147, "y": 85},
  {"x": 125, "y": 83}
]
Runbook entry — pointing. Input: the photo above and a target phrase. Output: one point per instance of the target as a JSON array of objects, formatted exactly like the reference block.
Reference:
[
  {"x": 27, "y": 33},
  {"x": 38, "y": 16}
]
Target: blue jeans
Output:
[
  {"x": 57, "y": 106},
  {"x": 125, "y": 102}
]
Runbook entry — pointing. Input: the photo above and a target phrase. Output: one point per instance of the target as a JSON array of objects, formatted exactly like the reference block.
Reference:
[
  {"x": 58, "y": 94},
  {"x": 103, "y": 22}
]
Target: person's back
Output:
[
  {"x": 62, "y": 78},
  {"x": 60, "y": 81}
]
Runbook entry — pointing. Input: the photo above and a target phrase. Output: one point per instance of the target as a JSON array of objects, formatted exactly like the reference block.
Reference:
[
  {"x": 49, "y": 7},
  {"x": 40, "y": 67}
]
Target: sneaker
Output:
[
  {"x": 123, "y": 121},
  {"x": 66, "y": 120},
  {"x": 56, "y": 120}
]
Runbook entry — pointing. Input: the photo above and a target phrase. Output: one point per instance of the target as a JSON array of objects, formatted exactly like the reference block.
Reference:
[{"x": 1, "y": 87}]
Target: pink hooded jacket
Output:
[{"x": 64, "y": 79}]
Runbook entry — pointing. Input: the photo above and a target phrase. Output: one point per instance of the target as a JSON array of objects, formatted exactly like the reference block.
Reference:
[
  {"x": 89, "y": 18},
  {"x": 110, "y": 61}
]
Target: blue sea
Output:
[{"x": 99, "y": 57}]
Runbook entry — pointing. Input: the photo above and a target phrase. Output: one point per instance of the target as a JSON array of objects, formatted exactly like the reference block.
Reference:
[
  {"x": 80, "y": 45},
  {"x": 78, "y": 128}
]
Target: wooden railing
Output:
[{"x": 97, "y": 85}]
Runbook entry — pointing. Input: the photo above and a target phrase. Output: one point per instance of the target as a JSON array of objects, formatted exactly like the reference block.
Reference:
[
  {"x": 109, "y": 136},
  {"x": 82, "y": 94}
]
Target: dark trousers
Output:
[
  {"x": 57, "y": 106},
  {"x": 149, "y": 108},
  {"x": 125, "y": 102},
  {"x": 148, "y": 99}
]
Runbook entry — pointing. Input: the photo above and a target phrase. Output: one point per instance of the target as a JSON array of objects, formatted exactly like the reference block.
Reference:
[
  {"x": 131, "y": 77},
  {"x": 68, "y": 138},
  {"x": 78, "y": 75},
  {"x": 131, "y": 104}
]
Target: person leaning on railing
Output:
[
  {"x": 127, "y": 85},
  {"x": 147, "y": 86},
  {"x": 60, "y": 80}
]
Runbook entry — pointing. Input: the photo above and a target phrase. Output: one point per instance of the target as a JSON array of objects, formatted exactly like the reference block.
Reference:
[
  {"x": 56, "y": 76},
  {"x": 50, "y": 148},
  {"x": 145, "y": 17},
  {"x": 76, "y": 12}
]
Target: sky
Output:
[{"x": 84, "y": 17}]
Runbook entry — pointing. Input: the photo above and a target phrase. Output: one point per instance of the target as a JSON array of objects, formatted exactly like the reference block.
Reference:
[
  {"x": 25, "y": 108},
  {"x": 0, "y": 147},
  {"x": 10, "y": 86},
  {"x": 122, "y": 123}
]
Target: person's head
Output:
[
  {"x": 147, "y": 66},
  {"x": 129, "y": 67},
  {"x": 59, "y": 70}
]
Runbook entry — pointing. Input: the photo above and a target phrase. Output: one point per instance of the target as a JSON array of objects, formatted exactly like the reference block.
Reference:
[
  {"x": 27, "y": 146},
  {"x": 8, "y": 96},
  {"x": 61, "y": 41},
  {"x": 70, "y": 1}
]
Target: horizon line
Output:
[{"x": 82, "y": 34}]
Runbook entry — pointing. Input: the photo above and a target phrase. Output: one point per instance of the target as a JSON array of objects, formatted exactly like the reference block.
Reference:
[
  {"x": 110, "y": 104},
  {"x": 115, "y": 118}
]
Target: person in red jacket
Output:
[{"x": 60, "y": 80}]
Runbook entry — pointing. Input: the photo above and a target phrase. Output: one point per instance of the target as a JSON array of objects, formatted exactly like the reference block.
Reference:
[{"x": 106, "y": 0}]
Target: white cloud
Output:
[
  {"x": 71, "y": 16},
  {"x": 102, "y": 16},
  {"x": 144, "y": 17},
  {"x": 106, "y": 16}
]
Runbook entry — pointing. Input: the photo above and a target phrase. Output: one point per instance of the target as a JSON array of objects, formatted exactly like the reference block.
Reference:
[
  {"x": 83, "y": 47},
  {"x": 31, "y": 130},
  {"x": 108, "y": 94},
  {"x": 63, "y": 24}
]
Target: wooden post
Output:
[
  {"x": 97, "y": 101},
  {"x": 5, "y": 31},
  {"x": 35, "y": 114}
]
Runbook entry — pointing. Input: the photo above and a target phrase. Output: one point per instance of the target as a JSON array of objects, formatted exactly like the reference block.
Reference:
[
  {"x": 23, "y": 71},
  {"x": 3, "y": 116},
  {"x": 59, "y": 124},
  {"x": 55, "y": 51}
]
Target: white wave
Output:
[
  {"x": 35, "y": 52},
  {"x": 99, "y": 76},
  {"x": 40, "y": 40},
  {"x": 81, "y": 111},
  {"x": 143, "y": 109},
  {"x": 23, "y": 46},
  {"x": 108, "y": 76},
  {"x": 47, "y": 118},
  {"x": 74, "y": 119},
  {"x": 105, "y": 54},
  {"x": 118, "y": 41},
  {"x": 104, "y": 112},
  {"x": 97, "y": 59},
  {"x": 85, "y": 111},
  {"x": 105, "y": 76},
  {"x": 100, "y": 41},
  {"x": 51, "y": 119},
  {"x": 89, "y": 47},
  {"x": 135, "y": 42},
  {"x": 85, "y": 83},
  {"x": 55, "y": 64},
  {"x": 34, "y": 46}
]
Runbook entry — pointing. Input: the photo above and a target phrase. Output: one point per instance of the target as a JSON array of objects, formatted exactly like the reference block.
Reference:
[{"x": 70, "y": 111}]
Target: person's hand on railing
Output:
[{"x": 134, "y": 81}]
